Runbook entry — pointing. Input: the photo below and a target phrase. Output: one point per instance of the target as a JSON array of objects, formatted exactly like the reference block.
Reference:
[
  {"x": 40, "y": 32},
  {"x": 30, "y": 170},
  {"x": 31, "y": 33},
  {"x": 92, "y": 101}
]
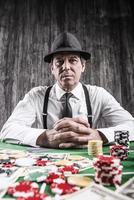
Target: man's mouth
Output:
[{"x": 67, "y": 76}]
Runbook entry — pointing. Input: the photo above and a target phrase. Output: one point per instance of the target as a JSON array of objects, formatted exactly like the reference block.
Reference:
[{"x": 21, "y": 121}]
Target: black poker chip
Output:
[{"x": 121, "y": 137}]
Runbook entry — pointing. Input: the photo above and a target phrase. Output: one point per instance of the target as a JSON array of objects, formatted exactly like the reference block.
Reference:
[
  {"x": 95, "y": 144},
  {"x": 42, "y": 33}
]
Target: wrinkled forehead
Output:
[{"x": 63, "y": 55}]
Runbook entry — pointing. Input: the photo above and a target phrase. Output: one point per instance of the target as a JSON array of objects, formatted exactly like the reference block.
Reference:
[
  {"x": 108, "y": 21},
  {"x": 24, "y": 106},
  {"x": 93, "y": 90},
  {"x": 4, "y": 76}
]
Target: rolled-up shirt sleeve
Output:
[
  {"x": 20, "y": 125},
  {"x": 115, "y": 117}
]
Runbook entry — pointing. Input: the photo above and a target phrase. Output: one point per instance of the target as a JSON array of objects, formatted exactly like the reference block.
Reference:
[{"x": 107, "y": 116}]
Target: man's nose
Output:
[{"x": 66, "y": 65}]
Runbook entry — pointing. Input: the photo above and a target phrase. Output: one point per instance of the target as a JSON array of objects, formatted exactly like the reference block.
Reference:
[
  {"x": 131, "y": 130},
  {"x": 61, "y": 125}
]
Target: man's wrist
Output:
[
  {"x": 103, "y": 137},
  {"x": 41, "y": 139}
]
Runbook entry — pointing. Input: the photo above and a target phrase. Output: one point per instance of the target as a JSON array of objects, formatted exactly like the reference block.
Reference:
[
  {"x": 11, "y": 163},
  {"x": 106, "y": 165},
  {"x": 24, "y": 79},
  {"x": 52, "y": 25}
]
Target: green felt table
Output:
[{"x": 128, "y": 165}]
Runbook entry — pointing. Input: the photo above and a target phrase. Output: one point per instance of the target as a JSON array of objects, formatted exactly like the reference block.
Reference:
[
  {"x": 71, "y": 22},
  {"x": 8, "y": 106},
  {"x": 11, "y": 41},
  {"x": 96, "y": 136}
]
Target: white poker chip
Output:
[
  {"x": 50, "y": 168},
  {"x": 5, "y": 182},
  {"x": 24, "y": 162}
]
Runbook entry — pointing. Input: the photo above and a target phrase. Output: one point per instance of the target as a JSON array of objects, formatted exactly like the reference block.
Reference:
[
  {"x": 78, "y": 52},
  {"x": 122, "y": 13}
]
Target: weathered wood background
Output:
[{"x": 27, "y": 28}]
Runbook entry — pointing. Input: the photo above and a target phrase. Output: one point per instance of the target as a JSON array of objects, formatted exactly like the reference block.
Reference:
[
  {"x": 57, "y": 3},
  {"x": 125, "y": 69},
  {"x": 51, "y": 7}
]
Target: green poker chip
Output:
[{"x": 36, "y": 176}]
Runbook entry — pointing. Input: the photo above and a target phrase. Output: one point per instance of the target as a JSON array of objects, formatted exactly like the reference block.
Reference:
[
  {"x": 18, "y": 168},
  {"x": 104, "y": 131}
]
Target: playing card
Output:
[
  {"x": 38, "y": 150},
  {"x": 127, "y": 189},
  {"x": 50, "y": 156},
  {"x": 95, "y": 192},
  {"x": 56, "y": 156},
  {"x": 84, "y": 164},
  {"x": 11, "y": 153}
]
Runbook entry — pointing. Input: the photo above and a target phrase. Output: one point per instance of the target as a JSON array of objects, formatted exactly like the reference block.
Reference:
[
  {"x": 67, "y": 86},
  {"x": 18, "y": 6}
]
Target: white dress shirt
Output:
[{"x": 26, "y": 122}]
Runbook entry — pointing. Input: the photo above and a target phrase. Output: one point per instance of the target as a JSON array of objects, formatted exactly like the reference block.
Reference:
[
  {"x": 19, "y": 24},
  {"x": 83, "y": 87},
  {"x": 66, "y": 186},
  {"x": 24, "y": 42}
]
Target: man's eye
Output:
[
  {"x": 73, "y": 61},
  {"x": 59, "y": 62}
]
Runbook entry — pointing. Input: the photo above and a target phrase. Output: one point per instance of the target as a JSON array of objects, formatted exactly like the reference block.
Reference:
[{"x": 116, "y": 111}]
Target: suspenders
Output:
[
  {"x": 45, "y": 107},
  {"x": 89, "y": 109}
]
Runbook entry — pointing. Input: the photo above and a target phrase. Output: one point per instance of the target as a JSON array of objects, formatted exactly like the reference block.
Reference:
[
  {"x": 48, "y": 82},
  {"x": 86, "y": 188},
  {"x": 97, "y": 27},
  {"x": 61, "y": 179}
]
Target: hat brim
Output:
[{"x": 83, "y": 54}]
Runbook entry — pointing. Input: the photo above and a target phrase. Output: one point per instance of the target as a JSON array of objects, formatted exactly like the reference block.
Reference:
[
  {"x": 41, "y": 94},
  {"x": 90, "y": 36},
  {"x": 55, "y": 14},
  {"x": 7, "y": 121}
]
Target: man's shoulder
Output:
[
  {"x": 38, "y": 90},
  {"x": 97, "y": 93},
  {"x": 94, "y": 88}
]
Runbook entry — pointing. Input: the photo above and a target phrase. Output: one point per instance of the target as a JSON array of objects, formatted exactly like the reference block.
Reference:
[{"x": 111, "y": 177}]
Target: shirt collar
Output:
[{"x": 77, "y": 91}]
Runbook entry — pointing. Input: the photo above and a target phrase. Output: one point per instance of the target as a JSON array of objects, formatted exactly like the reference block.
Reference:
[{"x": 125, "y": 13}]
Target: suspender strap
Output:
[
  {"x": 45, "y": 107},
  {"x": 89, "y": 109}
]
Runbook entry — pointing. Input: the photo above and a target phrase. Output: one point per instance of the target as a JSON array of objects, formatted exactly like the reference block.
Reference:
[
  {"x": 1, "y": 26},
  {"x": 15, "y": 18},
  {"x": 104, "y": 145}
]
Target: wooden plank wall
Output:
[{"x": 27, "y": 28}]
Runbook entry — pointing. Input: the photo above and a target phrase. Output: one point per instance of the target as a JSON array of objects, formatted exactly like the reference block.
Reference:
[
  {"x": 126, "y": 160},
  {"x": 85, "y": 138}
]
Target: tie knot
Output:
[{"x": 66, "y": 96}]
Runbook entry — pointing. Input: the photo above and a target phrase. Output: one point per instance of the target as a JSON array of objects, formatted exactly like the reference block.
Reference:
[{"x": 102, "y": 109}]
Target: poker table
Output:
[{"x": 128, "y": 165}]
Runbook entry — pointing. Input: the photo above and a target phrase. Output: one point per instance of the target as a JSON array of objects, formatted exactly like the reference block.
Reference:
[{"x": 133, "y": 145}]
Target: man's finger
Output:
[
  {"x": 67, "y": 122},
  {"x": 68, "y": 125},
  {"x": 80, "y": 120},
  {"x": 72, "y": 145},
  {"x": 65, "y": 136},
  {"x": 81, "y": 146},
  {"x": 62, "y": 124},
  {"x": 81, "y": 139},
  {"x": 60, "y": 120},
  {"x": 67, "y": 145}
]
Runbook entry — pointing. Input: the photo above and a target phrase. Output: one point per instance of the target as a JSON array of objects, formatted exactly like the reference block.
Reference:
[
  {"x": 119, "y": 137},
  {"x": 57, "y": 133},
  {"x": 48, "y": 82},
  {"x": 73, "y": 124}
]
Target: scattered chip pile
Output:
[
  {"x": 43, "y": 173},
  {"x": 95, "y": 148},
  {"x": 26, "y": 190},
  {"x": 119, "y": 151},
  {"x": 108, "y": 170}
]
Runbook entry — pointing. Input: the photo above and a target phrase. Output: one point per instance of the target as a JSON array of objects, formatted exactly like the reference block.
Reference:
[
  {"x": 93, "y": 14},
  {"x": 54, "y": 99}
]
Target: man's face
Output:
[{"x": 67, "y": 69}]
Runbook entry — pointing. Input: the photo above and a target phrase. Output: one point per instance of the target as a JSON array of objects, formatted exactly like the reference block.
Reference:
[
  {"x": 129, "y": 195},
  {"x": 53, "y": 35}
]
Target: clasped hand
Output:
[{"x": 68, "y": 133}]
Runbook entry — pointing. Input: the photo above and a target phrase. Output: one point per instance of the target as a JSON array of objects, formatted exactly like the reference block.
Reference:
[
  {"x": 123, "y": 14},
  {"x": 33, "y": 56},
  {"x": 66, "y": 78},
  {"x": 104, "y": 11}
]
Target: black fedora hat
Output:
[{"x": 66, "y": 42}]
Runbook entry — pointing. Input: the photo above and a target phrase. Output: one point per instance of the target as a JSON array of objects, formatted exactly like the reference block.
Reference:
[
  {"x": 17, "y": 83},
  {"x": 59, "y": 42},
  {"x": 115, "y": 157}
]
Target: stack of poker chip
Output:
[
  {"x": 121, "y": 147},
  {"x": 119, "y": 151},
  {"x": 108, "y": 170},
  {"x": 95, "y": 148},
  {"x": 121, "y": 137}
]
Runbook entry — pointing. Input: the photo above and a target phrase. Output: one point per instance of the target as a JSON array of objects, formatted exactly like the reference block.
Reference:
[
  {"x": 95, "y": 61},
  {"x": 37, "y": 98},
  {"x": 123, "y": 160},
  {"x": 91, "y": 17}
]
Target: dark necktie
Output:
[{"x": 67, "y": 110}]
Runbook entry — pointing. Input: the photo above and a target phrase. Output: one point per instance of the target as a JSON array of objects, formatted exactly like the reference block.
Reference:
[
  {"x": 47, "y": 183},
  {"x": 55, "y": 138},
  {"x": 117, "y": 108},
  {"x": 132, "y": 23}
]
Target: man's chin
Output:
[{"x": 68, "y": 86}]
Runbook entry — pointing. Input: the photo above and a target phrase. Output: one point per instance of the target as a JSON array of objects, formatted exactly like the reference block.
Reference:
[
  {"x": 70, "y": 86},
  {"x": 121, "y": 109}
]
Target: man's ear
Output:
[
  {"x": 83, "y": 66},
  {"x": 51, "y": 66}
]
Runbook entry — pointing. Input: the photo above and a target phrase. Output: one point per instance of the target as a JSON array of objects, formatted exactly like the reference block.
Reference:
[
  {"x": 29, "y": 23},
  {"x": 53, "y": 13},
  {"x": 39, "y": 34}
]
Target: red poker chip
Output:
[
  {"x": 43, "y": 162},
  {"x": 8, "y": 165},
  {"x": 118, "y": 146},
  {"x": 23, "y": 189},
  {"x": 109, "y": 180},
  {"x": 69, "y": 169},
  {"x": 108, "y": 170},
  {"x": 63, "y": 188},
  {"x": 37, "y": 196},
  {"x": 106, "y": 159},
  {"x": 53, "y": 176},
  {"x": 106, "y": 162},
  {"x": 119, "y": 151}
]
